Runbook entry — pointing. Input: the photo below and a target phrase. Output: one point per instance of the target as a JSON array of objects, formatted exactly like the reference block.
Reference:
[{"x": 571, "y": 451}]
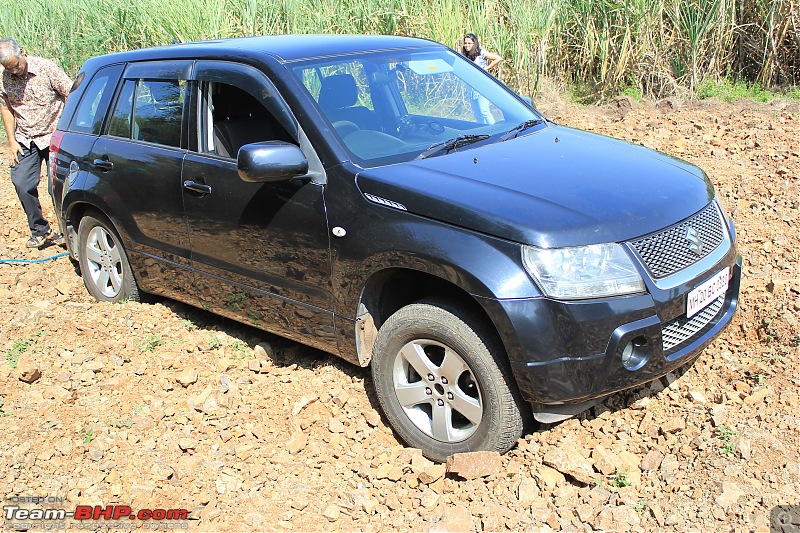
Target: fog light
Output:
[{"x": 634, "y": 356}]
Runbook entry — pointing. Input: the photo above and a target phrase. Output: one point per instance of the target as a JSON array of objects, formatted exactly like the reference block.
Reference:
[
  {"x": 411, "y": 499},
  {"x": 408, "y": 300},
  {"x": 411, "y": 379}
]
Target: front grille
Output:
[
  {"x": 668, "y": 251},
  {"x": 684, "y": 328}
]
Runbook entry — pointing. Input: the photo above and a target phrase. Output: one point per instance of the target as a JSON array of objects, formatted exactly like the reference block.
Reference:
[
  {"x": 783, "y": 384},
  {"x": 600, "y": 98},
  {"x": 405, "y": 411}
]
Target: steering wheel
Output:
[{"x": 408, "y": 127}]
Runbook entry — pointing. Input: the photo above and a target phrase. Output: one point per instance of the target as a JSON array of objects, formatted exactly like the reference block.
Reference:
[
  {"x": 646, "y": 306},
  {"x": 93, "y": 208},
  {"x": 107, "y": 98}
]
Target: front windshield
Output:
[{"x": 389, "y": 107}]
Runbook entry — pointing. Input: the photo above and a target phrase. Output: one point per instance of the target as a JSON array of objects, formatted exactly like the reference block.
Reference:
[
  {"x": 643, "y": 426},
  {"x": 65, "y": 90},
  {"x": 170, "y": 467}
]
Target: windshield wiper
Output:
[
  {"x": 451, "y": 144},
  {"x": 520, "y": 128}
]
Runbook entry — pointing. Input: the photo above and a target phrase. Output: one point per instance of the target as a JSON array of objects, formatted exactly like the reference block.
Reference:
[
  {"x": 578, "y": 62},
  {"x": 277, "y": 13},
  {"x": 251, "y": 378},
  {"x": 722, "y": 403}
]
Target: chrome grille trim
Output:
[
  {"x": 668, "y": 251},
  {"x": 683, "y": 329}
]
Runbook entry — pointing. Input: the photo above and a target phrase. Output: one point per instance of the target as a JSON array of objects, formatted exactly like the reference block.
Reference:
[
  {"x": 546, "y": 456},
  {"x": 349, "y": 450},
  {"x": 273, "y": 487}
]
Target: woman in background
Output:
[{"x": 487, "y": 61}]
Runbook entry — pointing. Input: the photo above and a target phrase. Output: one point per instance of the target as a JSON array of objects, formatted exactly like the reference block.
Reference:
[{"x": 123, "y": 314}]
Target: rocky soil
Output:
[{"x": 160, "y": 405}]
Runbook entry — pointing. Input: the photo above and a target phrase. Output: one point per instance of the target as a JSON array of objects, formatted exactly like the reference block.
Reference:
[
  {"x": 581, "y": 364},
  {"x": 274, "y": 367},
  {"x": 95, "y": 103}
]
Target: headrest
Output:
[{"x": 338, "y": 91}]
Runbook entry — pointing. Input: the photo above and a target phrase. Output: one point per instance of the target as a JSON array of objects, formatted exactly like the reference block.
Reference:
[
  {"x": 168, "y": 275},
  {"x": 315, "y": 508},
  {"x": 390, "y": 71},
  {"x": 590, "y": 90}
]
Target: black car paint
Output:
[
  {"x": 471, "y": 188},
  {"x": 466, "y": 216}
]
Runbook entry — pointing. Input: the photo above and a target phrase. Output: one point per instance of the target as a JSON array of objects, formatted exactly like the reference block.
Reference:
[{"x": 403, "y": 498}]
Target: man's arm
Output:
[
  {"x": 60, "y": 82},
  {"x": 10, "y": 123}
]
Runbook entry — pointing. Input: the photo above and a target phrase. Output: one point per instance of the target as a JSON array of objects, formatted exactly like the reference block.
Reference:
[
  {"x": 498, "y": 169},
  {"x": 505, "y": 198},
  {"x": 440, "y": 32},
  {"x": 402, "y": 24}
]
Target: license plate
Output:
[{"x": 707, "y": 292}]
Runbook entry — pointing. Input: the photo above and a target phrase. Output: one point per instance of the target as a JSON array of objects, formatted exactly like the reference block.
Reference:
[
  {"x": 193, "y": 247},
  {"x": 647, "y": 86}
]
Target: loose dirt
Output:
[{"x": 162, "y": 406}]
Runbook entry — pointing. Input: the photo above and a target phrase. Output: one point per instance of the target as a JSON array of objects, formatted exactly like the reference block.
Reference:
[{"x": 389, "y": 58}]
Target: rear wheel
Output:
[
  {"x": 104, "y": 264},
  {"x": 442, "y": 384}
]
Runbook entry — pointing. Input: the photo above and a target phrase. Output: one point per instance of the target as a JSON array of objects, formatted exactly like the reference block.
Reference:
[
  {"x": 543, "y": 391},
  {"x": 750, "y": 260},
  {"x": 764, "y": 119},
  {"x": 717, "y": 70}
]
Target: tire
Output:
[
  {"x": 442, "y": 385},
  {"x": 104, "y": 265}
]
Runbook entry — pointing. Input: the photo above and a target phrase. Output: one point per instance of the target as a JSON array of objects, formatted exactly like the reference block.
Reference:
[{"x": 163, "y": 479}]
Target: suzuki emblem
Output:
[{"x": 695, "y": 242}]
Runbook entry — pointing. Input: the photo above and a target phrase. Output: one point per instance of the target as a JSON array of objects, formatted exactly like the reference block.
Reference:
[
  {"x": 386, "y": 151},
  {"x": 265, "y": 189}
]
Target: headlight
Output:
[{"x": 583, "y": 271}]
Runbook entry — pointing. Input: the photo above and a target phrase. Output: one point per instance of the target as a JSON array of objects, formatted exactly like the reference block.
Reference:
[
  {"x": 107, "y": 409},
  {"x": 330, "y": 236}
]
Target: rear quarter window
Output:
[{"x": 94, "y": 104}]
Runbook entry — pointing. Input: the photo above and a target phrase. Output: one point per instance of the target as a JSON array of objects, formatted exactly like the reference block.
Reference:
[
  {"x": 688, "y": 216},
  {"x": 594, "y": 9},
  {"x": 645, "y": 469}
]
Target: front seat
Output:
[{"x": 337, "y": 98}]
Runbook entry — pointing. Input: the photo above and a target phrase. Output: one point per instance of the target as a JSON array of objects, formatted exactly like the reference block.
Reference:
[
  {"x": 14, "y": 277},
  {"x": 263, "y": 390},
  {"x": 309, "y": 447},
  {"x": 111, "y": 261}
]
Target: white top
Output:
[{"x": 481, "y": 60}]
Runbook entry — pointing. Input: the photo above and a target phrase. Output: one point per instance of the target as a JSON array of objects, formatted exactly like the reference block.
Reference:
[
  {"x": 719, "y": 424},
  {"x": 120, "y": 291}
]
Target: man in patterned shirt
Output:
[{"x": 32, "y": 95}]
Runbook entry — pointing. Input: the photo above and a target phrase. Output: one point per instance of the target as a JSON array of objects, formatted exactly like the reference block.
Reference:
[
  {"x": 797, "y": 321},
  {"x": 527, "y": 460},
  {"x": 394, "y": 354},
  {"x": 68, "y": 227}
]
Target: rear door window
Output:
[
  {"x": 120, "y": 125},
  {"x": 158, "y": 111},
  {"x": 150, "y": 110}
]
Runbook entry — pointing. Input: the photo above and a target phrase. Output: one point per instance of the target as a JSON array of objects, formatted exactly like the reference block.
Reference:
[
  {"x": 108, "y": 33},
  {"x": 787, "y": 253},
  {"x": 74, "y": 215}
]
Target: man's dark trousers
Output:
[{"x": 25, "y": 176}]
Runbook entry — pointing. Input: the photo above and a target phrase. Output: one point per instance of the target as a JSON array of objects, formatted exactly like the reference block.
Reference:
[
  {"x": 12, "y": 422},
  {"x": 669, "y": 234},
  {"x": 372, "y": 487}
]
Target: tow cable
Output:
[{"x": 24, "y": 261}]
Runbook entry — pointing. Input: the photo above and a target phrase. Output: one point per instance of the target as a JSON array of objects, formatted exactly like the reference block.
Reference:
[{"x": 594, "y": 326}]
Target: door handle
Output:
[
  {"x": 103, "y": 164},
  {"x": 197, "y": 187}
]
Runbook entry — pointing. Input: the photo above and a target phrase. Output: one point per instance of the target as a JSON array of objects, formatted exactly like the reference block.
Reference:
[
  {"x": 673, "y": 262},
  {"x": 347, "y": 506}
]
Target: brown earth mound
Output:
[{"x": 162, "y": 406}]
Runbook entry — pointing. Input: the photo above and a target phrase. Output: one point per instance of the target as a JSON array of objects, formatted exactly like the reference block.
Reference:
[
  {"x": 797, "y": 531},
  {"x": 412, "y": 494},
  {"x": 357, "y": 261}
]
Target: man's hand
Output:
[{"x": 16, "y": 151}]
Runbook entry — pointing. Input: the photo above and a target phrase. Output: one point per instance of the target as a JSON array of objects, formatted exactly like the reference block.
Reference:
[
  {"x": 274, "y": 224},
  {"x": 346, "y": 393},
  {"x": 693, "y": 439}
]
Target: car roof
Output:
[{"x": 285, "y": 48}]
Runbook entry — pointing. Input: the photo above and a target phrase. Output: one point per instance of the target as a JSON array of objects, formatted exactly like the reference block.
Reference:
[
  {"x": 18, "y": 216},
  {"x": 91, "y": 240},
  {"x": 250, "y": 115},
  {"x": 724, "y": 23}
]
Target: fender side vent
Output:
[{"x": 384, "y": 201}]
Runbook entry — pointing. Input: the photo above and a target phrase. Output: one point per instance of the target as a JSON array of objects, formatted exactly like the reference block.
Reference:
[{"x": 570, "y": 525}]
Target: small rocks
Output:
[
  {"x": 697, "y": 397},
  {"x": 652, "y": 461},
  {"x": 332, "y": 513},
  {"x": 604, "y": 461},
  {"x": 551, "y": 477},
  {"x": 186, "y": 378},
  {"x": 161, "y": 472},
  {"x": 431, "y": 474},
  {"x": 372, "y": 418},
  {"x": 571, "y": 462},
  {"x": 719, "y": 414},
  {"x": 94, "y": 366},
  {"x": 187, "y": 444},
  {"x": 199, "y": 400},
  {"x": 27, "y": 370},
  {"x": 244, "y": 439},
  {"x": 669, "y": 468},
  {"x": 527, "y": 492},
  {"x": 474, "y": 465},
  {"x": 335, "y": 425},
  {"x": 674, "y": 425},
  {"x": 758, "y": 397},
  {"x": 729, "y": 496},
  {"x": 456, "y": 519},
  {"x": 263, "y": 351},
  {"x": 299, "y": 404},
  {"x": 296, "y": 442}
]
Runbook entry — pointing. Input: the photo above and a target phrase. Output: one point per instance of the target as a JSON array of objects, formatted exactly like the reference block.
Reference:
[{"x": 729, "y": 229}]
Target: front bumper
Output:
[{"x": 571, "y": 352}]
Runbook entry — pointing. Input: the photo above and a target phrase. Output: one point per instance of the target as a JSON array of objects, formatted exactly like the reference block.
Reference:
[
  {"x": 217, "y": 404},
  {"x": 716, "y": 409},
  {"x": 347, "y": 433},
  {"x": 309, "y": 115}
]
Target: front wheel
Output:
[
  {"x": 104, "y": 264},
  {"x": 442, "y": 384}
]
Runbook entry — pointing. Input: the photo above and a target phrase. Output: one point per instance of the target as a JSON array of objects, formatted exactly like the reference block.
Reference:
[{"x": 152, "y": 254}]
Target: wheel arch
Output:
[
  {"x": 391, "y": 289},
  {"x": 72, "y": 220}
]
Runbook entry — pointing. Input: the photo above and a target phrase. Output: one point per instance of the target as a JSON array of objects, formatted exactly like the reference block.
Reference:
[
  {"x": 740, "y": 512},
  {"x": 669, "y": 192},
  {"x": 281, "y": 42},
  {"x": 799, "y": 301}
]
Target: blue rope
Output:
[{"x": 9, "y": 261}]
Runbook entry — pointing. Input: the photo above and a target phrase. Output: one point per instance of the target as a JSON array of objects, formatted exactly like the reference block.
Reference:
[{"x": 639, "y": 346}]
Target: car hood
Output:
[{"x": 556, "y": 187}]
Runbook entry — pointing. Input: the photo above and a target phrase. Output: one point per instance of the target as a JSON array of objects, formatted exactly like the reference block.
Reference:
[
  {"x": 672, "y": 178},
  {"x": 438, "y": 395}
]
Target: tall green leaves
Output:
[{"x": 659, "y": 47}]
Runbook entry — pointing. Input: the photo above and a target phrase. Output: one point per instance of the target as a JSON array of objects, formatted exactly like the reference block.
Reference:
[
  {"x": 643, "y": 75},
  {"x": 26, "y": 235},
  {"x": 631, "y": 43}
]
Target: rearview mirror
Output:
[{"x": 271, "y": 161}]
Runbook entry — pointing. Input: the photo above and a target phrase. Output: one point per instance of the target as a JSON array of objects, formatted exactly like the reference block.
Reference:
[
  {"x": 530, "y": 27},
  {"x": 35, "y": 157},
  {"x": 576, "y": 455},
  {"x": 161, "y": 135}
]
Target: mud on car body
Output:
[{"x": 339, "y": 191}]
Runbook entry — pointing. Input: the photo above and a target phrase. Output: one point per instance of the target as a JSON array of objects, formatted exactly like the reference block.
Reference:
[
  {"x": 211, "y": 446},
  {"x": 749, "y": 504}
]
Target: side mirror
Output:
[
  {"x": 271, "y": 161},
  {"x": 527, "y": 100}
]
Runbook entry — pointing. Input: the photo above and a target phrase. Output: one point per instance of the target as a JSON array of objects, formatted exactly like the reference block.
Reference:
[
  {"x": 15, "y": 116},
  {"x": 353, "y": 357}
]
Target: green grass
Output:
[
  {"x": 633, "y": 92},
  {"x": 20, "y": 347},
  {"x": 241, "y": 351},
  {"x": 152, "y": 342},
  {"x": 729, "y": 91},
  {"x": 726, "y": 435},
  {"x": 653, "y": 47},
  {"x": 213, "y": 341},
  {"x": 619, "y": 479}
]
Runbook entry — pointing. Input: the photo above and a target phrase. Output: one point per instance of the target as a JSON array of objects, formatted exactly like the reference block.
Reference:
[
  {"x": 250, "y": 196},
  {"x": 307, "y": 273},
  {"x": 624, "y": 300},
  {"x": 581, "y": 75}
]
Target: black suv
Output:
[{"x": 347, "y": 192}]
